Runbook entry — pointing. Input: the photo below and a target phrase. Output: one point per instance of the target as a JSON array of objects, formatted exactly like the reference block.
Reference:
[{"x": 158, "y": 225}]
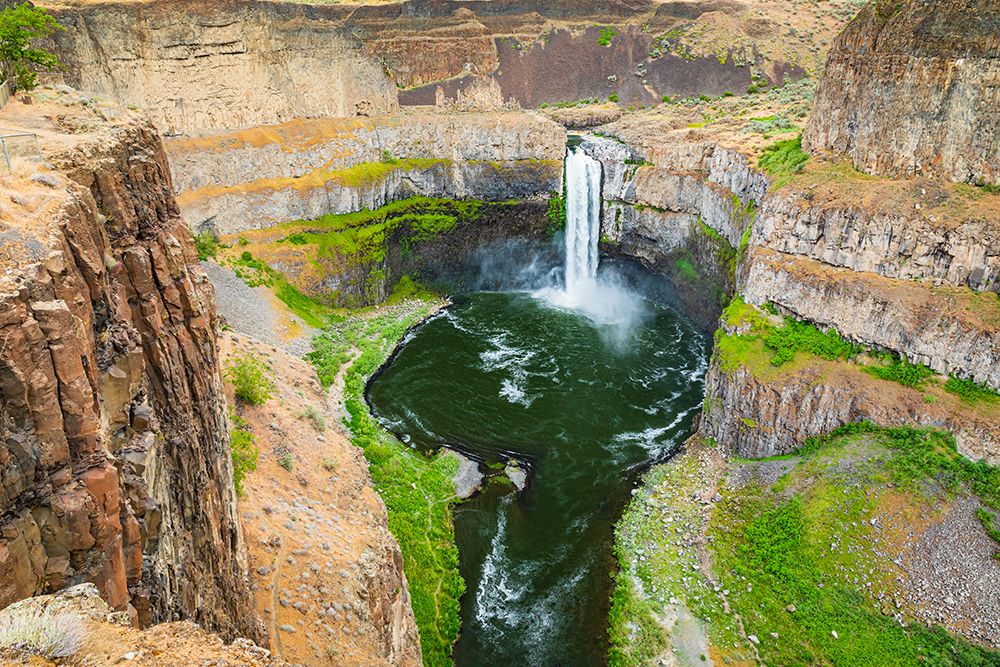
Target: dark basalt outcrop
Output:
[
  {"x": 910, "y": 88},
  {"x": 114, "y": 442}
]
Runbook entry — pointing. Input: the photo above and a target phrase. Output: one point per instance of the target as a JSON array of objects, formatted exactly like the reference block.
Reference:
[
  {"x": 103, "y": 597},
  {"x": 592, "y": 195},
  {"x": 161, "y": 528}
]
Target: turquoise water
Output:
[{"x": 585, "y": 408}]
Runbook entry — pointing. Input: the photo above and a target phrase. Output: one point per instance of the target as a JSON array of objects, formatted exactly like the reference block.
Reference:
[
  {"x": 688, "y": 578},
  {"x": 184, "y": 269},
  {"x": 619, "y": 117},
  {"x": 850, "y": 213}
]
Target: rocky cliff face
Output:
[
  {"x": 114, "y": 447},
  {"x": 909, "y": 88},
  {"x": 305, "y": 169},
  {"x": 197, "y": 66},
  {"x": 193, "y": 65}
]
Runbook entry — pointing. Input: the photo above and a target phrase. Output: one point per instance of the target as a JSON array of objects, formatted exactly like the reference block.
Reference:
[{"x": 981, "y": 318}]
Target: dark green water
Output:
[{"x": 587, "y": 407}]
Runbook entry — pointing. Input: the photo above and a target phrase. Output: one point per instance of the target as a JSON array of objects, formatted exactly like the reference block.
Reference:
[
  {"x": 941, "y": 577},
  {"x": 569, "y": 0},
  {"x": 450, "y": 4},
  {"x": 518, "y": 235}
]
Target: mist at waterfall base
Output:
[
  {"x": 567, "y": 370},
  {"x": 579, "y": 282}
]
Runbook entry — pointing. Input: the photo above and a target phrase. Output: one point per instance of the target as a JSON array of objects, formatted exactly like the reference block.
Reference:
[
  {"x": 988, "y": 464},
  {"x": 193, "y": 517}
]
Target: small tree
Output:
[{"x": 20, "y": 25}]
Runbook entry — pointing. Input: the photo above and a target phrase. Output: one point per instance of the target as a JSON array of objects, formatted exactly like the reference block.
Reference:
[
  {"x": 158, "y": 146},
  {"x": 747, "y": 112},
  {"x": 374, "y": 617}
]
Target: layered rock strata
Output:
[
  {"x": 910, "y": 88},
  {"x": 305, "y": 169},
  {"x": 192, "y": 65},
  {"x": 114, "y": 454},
  {"x": 226, "y": 65}
]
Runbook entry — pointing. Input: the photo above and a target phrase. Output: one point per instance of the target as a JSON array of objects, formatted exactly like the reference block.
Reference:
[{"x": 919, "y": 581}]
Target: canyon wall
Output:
[
  {"x": 196, "y": 66},
  {"x": 910, "y": 89},
  {"x": 115, "y": 443},
  {"x": 308, "y": 168},
  {"x": 193, "y": 65}
]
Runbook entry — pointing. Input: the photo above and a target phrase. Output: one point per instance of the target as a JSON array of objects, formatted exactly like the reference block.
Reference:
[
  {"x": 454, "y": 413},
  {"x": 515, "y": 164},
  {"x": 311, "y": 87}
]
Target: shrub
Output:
[
  {"x": 245, "y": 456},
  {"x": 329, "y": 465},
  {"x": 607, "y": 36},
  {"x": 798, "y": 336},
  {"x": 901, "y": 371},
  {"x": 251, "y": 378},
  {"x": 666, "y": 99},
  {"x": 969, "y": 391},
  {"x": 43, "y": 633},
  {"x": 388, "y": 157},
  {"x": 20, "y": 25},
  {"x": 286, "y": 462},
  {"x": 613, "y": 97},
  {"x": 315, "y": 416},
  {"x": 207, "y": 244},
  {"x": 784, "y": 158}
]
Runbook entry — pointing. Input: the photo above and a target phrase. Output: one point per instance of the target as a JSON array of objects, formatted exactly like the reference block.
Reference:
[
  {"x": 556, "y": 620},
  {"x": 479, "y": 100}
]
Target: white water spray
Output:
[{"x": 604, "y": 299}]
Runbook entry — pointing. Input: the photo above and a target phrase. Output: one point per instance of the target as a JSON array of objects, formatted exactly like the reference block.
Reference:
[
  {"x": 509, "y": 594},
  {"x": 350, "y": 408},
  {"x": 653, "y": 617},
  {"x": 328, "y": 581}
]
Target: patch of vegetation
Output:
[
  {"x": 417, "y": 488},
  {"x": 286, "y": 462},
  {"x": 251, "y": 378},
  {"x": 796, "y": 336},
  {"x": 686, "y": 269},
  {"x": 783, "y": 159},
  {"x": 796, "y": 558},
  {"x": 556, "y": 221},
  {"x": 769, "y": 125},
  {"x": 969, "y": 391},
  {"x": 207, "y": 244},
  {"x": 21, "y": 26},
  {"x": 46, "y": 633},
  {"x": 607, "y": 36},
  {"x": 613, "y": 97},
  {"x": 245, "y": 456},
  {"x": 902, "y": 371},
  {"x": 315, "y": 417}
]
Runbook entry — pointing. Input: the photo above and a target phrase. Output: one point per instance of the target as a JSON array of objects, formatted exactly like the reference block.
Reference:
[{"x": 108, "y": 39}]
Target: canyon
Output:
[{"x": 812, "y": 186}]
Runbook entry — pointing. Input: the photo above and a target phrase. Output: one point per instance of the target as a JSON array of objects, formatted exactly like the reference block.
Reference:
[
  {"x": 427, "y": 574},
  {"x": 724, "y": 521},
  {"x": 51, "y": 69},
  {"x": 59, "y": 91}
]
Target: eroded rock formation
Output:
[
  {"x": 909, "y": 88},
  {"x": 115, "y": 447},
  {"x": 304, "y": 169}
]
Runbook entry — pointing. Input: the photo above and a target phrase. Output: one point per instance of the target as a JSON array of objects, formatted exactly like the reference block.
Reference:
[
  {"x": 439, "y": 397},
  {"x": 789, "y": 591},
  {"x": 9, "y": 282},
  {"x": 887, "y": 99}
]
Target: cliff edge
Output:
[{"x": 114, "y": 444}]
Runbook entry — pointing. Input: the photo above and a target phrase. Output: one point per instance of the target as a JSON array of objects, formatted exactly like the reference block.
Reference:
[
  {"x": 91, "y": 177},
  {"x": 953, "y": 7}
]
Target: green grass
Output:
[
  {"x": 783, "y": 159},
  {"x": 417, "y": 489},
  {"x": 362, "y": 237},
  {"x": 807, "y": 542},
  {"x": 969, "y": 391}
]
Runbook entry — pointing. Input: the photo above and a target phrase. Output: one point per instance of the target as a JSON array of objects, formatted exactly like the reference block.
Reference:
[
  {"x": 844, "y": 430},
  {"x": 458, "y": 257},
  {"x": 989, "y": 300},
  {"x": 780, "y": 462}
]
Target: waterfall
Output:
[
  {"x": 604, "y": 299},
  {"x": 583, "y": 221}
]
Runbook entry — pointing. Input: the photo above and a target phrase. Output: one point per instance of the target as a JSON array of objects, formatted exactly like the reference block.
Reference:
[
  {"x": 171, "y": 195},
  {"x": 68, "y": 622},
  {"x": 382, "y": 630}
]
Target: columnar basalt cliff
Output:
[
  {"x": 115, "y": 446},
  {"x": 909, "y": 88}
]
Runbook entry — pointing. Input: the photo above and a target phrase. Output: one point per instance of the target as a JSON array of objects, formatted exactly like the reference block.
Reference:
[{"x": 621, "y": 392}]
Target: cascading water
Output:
[
  {"x": 531, "y": 376},
  {"x": 583, "y": 222},
  {"x": 601, "y": 297}
]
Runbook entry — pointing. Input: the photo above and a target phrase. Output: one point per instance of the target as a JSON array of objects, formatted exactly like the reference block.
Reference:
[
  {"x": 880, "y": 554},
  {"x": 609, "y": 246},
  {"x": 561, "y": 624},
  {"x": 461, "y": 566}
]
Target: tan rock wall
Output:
[{"x": 199, "y": 66}]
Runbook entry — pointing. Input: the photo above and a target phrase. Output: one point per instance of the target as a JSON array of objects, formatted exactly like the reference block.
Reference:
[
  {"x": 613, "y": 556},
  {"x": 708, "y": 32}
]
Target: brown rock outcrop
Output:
[
  {"x": 114, "y": 446},
  {"x": 910, "y": 88}
]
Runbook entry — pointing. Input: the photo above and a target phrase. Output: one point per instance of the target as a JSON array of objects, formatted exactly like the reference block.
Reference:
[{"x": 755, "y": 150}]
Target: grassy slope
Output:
[
  {"x": 806, "y": 540},
  {"x": 417, "y": 490}
]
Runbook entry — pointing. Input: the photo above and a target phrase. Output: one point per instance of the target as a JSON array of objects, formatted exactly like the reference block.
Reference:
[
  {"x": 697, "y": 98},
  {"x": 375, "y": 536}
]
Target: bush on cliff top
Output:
[
  {"x": 20, "y": 26},
  {"x": 783, "y": 159}
]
